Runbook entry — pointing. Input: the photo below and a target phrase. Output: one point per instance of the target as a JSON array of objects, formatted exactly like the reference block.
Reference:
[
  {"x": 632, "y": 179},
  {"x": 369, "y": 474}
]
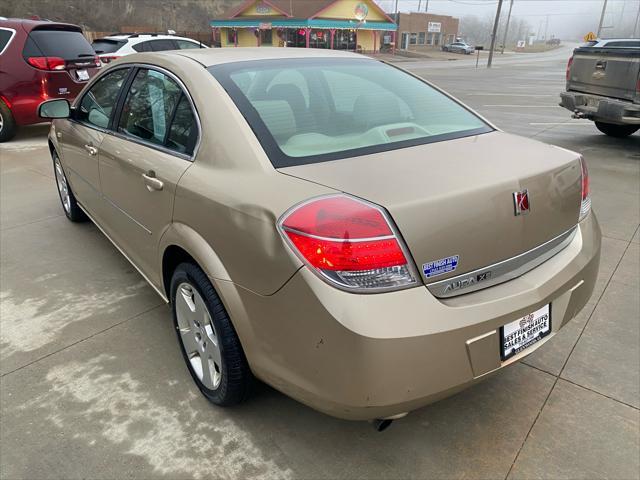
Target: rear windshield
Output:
[
  {"x": 70, "y": 45},
  {"x": 105, "y": 45},
  {"x": 312, "y": 110}
]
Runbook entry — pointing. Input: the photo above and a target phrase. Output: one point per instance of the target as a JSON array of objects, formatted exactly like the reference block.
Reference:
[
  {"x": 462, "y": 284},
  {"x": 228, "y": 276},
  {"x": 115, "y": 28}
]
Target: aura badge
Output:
[{"x": 521, "y": 202}]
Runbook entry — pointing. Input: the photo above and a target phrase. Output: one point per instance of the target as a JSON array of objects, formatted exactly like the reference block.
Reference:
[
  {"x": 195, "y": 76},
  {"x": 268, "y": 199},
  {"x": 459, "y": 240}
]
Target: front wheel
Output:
[
  {"x": 618, "y": 131},
  {"x": 67, "y": 198},
  {"x": 209, "y": 343}
]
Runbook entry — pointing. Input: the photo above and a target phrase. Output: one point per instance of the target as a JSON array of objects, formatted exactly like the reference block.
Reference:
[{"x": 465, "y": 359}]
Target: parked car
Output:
[
  {"x": 117, "y": 45},
  {"x": 39, "y": 60},
  {"x": 603, "y": 85},
  {"x": 332, "y": 225},
  {"x": 459, "y": 47}
]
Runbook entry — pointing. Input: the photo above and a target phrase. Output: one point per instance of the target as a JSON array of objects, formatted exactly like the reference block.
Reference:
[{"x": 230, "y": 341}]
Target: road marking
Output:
[
  {"x": 508, "y": 95},
  {"x": 524, "y": 106}
]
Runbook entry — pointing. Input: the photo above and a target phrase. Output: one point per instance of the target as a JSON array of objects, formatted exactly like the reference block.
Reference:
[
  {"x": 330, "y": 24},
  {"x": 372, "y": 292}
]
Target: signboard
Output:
[
  {"x": 264, "y": 25},
  {"x": 434, "y": 27},
  {"x": 590, "y": 37},
  {"x": 521, "y": 44},
  {"x": 263, "y": 9},
  {"x": 361, "y": 11}
]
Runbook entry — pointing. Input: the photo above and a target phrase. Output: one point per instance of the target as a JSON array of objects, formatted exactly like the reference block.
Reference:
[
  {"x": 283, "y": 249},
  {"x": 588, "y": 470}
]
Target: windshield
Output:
[{"x": 311, "y": 110}]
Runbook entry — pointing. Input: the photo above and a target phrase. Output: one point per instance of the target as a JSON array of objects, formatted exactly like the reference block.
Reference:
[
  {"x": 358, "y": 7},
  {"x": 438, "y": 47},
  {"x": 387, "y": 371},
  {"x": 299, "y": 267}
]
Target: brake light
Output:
[
  {"x": 348, "y": 242},
  {"x": 109, "y": 58},
  {"x": 585, "y": 205},
  {"x": 97, "y": 61},
  {"x": 569, "y": 63},
  {"x": 47, "y": 63}
]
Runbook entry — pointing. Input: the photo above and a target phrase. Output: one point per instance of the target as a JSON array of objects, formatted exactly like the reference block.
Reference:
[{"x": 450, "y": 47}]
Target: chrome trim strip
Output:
[
  {"x": 340, "y": 240},
  {"x": 502, "y": 271}
]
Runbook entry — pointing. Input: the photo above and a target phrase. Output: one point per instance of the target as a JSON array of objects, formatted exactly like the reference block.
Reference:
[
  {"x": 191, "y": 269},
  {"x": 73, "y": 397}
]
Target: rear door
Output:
[
  {"x": 82, "y": 136},
  {"x": 141, "y": 164}
]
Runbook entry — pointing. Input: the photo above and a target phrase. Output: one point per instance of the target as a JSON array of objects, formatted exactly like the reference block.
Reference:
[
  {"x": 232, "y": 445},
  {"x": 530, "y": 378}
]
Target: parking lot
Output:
[{"x": 93, "y": 384}]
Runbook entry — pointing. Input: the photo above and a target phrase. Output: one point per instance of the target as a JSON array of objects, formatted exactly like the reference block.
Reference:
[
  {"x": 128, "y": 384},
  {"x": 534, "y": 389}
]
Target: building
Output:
[
  {"x": 423, "y": 31},
  {"x": 358, "y": 25}
]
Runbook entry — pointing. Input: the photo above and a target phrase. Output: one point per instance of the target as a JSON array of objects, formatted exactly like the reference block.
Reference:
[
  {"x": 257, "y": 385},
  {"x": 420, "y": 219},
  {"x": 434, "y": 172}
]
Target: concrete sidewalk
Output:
[{"x": 93, "y": 384}]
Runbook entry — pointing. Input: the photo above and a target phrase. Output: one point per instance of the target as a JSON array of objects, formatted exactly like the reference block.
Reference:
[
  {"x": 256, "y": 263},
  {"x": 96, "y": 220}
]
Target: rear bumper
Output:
[
  {"x": 373, "y": 356},
  {"x": 605, "y": 109}
]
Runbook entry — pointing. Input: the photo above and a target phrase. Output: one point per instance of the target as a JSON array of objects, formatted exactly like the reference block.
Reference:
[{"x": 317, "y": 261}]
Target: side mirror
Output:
[{"x": 58, "y": 108}]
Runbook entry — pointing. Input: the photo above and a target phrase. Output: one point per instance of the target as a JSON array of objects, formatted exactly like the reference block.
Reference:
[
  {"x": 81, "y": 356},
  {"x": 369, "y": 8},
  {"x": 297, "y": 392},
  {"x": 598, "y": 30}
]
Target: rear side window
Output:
[
  {"x": 157, "y": 111},
  {"x": 162, "y": 45},
  {"x": 105, "y": 45},
  {"x": 98, "y": 103},
  {"x": 623, "y": 44},
  {"x": 185, "y": 44},
  {"x": 5, "y": 37},
  {"x": 66, "y": 44}
]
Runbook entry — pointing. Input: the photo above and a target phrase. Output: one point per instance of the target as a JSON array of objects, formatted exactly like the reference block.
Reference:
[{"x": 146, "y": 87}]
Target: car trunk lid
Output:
[{"x": 456, "y": 198}]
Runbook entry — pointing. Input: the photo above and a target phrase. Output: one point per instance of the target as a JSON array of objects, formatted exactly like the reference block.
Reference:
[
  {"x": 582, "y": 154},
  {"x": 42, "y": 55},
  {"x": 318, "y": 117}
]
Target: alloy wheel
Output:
[
  {"x": 198, "y": 336},
  {"x": 63, "y": 187}
]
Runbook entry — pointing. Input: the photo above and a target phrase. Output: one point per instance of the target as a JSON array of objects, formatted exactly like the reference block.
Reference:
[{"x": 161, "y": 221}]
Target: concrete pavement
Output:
[{"x": 93, "y": 384}]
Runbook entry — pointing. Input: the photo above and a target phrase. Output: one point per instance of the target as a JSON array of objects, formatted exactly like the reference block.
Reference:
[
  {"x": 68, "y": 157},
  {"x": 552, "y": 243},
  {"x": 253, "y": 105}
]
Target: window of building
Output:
[
  {"x": 421, "y": 37},
  {"x": 430, "y": 39},
  {"x": 436, "y": 39},
  {"x": 413, "y": 38}
]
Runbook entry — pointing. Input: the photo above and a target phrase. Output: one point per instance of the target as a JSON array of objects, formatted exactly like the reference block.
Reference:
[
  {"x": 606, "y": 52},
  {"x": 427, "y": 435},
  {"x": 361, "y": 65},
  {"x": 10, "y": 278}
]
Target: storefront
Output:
[
  {"x": 424, "y": 31},
  {"x": 357, "y": 25}
]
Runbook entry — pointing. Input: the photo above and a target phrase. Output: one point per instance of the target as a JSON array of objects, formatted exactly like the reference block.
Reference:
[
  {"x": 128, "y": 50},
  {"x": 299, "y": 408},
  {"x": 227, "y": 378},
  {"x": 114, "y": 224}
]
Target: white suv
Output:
[{"x": 118, "y": 45}]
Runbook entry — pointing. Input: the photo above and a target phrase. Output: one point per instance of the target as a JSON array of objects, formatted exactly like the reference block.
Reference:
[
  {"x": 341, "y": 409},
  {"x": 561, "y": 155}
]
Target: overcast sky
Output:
[{"x": 566, "y": 17}]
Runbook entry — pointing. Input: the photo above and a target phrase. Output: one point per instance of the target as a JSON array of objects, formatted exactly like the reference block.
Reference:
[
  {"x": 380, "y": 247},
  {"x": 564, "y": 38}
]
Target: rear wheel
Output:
[
  {"x": 618, "y": 131},
  {"x": 8, "y": 125},
  {"x": 67, "y": 198},
  {"x": 209, "y": 343}
]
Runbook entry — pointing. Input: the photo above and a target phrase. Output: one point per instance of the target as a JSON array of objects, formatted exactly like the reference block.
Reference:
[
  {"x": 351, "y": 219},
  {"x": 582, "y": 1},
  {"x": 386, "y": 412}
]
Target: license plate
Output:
[
  {"x": 524, "y": 332},
  {"x": 83, "y": 75}
]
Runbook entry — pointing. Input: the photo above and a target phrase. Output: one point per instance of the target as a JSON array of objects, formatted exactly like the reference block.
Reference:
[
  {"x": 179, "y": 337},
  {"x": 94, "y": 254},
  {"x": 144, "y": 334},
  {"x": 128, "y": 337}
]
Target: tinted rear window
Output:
[
  {"x": 311, "y": 110},
  {"x": 105, "y": 45},
  {"x": 5, "y": 36},
  {"x": 66, "y": 44}
]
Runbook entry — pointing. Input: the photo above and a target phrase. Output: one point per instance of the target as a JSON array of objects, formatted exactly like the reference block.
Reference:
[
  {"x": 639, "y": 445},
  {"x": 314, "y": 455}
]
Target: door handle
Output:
[
  {"x": 601, "y": 65},
  {"x": 151, "y": 181},
  {"x": 93, "y": 151}
]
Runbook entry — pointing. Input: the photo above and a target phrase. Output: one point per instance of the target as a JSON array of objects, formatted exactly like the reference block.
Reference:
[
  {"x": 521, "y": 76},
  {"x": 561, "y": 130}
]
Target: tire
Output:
[
  {"x": 67, "y": 198},
  {"x": 8, "y": 125},
  {"x": 618, "y": 131},
  {"x": 205, "y": 332}
]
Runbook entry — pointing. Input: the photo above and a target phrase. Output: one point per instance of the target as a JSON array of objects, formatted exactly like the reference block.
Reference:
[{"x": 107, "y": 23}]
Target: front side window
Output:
[
  {"x": 325, "y": 109},
  {"x": 157, "y": 111},
  {"x": 97, "y": 104}
]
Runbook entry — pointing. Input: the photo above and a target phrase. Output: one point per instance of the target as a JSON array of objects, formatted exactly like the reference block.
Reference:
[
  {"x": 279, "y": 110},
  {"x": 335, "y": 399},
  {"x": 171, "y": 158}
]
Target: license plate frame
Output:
[
  {"x": 520, "y": 324},
  {"x": 83, "y": 75}
]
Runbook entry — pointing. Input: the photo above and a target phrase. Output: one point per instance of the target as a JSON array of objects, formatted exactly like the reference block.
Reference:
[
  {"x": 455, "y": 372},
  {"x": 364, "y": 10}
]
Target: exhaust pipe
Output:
[{"x": 381, "y": 424}]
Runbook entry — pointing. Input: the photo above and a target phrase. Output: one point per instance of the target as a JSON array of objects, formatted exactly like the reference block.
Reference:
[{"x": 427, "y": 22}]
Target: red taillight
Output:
[
  {"x": 47, "y": 63},
  {"x": 108, "y": 58},
  {"x": 569, "y": 63},
  {"x": 585, "y": 205},
  {"x": 349, "y": 242}
]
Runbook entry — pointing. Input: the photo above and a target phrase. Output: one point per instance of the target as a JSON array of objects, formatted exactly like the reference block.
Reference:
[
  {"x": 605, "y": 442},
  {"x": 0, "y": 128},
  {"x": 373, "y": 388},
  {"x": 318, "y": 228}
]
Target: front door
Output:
[
  {"x": 143, "y": 161},
  {"x": 83, "y": 135}
]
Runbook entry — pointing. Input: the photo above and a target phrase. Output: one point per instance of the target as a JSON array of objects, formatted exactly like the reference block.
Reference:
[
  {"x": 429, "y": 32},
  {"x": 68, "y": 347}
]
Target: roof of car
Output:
[
  {"x": 216, "y": 56},
  {"x": 29, "y": 24},
  {"x": 143, "y": 36}
]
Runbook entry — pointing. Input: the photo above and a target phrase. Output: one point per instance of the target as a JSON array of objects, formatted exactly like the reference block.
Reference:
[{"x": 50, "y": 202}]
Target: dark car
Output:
[{"x": 39, "y": 60}]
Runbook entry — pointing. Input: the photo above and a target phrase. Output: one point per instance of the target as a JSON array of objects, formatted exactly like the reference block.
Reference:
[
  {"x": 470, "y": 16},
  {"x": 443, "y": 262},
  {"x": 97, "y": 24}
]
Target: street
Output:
[{"x": 93, "y": 384}]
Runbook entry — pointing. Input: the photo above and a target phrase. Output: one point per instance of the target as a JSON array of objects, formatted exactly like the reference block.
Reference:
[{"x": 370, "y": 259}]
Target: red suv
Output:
[{"x": 39, "y": 60}]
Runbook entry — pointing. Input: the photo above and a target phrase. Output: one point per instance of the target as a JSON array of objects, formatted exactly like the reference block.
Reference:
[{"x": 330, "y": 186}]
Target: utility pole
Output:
[
  {"x": 494, "y": 34},
  {"x": 419, "y": 5},
  {"x": 426, "y": 7},
  {"x": 604, "y": 8},
  {"x": 546, "y": 28},
  {"x": 506, "y": 28},
  {"x": 635, "y": 25}
]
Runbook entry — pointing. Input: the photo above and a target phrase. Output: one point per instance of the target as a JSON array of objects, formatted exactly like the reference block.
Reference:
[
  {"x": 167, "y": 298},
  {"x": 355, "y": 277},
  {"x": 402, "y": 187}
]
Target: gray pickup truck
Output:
[{"x": 603, "y": 85}]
